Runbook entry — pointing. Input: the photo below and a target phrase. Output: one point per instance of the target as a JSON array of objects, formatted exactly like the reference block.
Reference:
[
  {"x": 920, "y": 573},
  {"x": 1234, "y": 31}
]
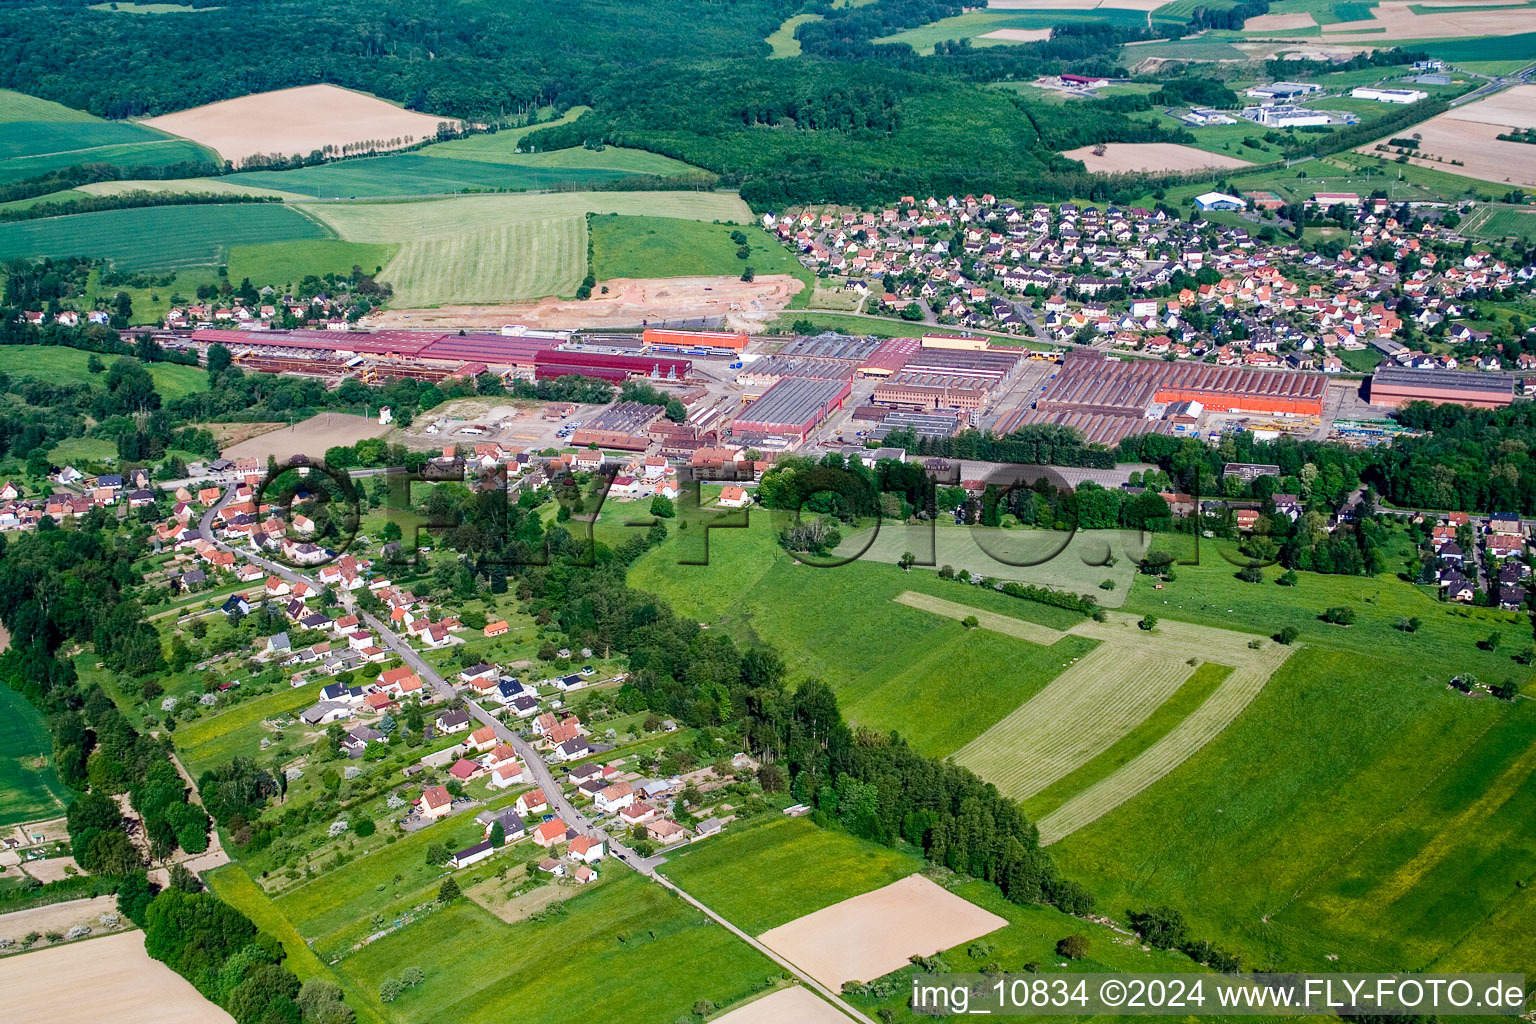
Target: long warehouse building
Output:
[
  {"x": 1399, "y": 385},
  {"x": 1089, "y": 382},
  {"x": 791, "y": 409}
]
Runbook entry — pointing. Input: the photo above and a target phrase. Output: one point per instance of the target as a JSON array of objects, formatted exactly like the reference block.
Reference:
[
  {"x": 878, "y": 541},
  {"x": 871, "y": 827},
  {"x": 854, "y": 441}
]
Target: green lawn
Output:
[
  {"x": 58, "y": 365},
  {"x": 157, "y": 237},
  {"x": 1358, "y": 809},
  {"x": 29, "y": 785},
  {"x": 623, "y": 949},
  {"x": 671, "y": 247},
  {"x": 769, "y": 871}
]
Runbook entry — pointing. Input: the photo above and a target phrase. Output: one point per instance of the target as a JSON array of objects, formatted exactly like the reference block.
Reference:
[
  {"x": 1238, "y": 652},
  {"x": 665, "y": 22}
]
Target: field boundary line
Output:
[{"x": 1020, "y": 629}]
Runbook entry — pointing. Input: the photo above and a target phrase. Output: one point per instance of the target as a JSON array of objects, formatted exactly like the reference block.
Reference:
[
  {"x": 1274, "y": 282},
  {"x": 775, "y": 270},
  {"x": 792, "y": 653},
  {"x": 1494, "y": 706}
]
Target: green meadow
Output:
[
  {"x": 157, "y": 237},
  {"x": 58, "y": 365},
  {"x": 29, "y": 786},
  {"x": 1359, "y": 815},
  {"x": 622, "y": 949},
  {"x": 238, "y": 732},
  {"x": 38, "y": 136},
  {"x": 279, "y": 263},
  {"x": 672, "y": 247},
  {"x": 763, "y": 873},
  {"x": 893, "y": 666}
]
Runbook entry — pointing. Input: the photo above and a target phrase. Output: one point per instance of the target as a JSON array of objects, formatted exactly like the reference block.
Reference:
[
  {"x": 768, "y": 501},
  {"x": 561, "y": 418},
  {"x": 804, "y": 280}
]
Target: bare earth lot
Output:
[
  {"x": 310, "y": 437},
  {"x": 51, "y": 869},
  {"x": 1020, "y": 35},
  {"x": 110, "y": 978},
  {"x": 876, "y": 933},
  {"x": 797, "y": 1005},
  {"x": 1278, "y": 22},
  {"x": 629, "y": 301},
  {"x": 1470, "y": 134},
  {"x": 300, "y": 120},
  {"x": 1150, "y": 156}
]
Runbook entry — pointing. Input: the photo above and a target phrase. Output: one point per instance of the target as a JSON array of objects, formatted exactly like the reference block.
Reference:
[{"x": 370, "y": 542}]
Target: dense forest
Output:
[
  {"x": 845, "y": 132},
  {"x": 851, "y": 120}
]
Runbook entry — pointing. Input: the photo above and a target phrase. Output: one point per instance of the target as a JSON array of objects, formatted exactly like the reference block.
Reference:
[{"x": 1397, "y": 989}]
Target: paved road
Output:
[{"x": 535, "y": 762}]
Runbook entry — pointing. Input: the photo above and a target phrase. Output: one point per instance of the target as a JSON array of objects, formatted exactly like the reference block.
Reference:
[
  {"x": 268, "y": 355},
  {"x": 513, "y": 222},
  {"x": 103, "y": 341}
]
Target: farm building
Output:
[
  {"x": 625, "y": 426},
  {"x": 791, "y": 409},
  {"x": 718, "y": 343},
  {"x": 1397, "y": 386}
]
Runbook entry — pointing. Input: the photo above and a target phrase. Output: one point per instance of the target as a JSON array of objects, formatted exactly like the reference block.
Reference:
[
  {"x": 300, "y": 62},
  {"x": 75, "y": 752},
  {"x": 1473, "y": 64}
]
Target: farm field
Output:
[
  {"x": 870, "y": 935},
  {"x": 1150, "y": 156},
  {"x": 1501, "y": 222},
  {"x": 657, "y": 955},
  {"x": 893, "y": 666},
  {"x": 1469, "y": 135},
  {"x": 185, "y": 186},
  {"x": 1192, "y": 693},
  {"x": 486, "y": 249},
  {"x": 29, "y": 786},
  {"x": 1364, "y": 812},
  {"x": 279, "y": 263},
  {"x": 58, "y": 365},
  {"x": 527, "y": 260},
  {"x": 110, "y": 978},
  {"x": 649, "y": 247},
  {"x": 767, "y": 872},
  {"x": 797, "y": 1004},
  {"x": 502, "y": 148},
  {"x": 297, "y": 121},
  {"x": 234, "y": 886},
  {"x": 237, "y": 732},
  {"x": 157, "y": 237},
  {"x": 1099, "y": 701},
  {"x": 414, "y": 174},
  {"x": 38, "y": 136},
  {"x": 979, "y": 26}
]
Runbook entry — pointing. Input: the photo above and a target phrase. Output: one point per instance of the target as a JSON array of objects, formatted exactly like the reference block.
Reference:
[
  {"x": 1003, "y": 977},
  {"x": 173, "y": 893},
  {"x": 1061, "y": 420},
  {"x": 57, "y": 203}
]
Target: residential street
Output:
[{"x": 531, "y": 757}]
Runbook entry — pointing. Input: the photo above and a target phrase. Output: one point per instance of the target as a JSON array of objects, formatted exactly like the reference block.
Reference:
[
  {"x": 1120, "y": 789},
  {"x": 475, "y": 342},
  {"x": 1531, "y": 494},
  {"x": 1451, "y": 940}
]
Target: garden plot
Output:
[{"x": 876, "y": 933}]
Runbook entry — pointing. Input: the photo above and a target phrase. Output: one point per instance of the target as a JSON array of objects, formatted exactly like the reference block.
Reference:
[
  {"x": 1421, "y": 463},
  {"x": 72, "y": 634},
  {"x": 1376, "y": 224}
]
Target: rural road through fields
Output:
[{"x": 535, "y": 762}]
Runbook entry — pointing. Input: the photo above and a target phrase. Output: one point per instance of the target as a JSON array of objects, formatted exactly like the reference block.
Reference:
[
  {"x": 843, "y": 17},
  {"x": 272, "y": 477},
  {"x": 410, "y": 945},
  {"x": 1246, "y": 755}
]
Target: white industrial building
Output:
[
  {"x": 1283, "y": 92},
  {"x": 1286, "y": 116},
  {"x": 1387, "y": 95}
]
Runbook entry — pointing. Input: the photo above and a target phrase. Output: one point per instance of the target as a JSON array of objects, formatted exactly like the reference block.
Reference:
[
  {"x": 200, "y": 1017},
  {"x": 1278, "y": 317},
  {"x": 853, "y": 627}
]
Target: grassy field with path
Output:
[{"x": 58, "y": 365}]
